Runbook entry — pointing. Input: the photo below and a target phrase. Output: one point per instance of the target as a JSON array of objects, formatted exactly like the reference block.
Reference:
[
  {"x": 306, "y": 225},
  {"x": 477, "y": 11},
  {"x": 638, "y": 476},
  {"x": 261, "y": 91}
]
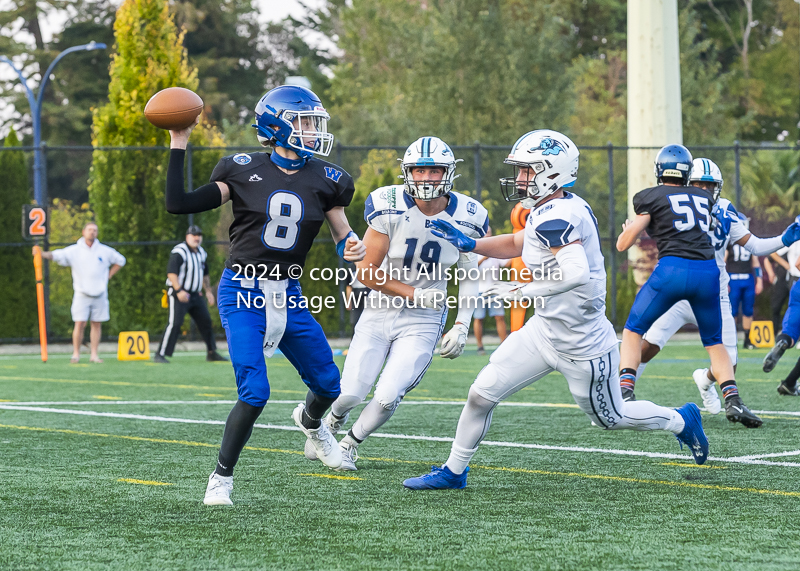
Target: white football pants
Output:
[
  {"x": 524, "y": 358},
  {"x": 404, "y": 339}
]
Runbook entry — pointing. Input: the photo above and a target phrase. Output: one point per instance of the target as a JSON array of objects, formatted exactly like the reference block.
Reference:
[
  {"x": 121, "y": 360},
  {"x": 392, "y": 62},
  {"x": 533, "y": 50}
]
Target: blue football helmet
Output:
[
  {"x": 674, "y": 161},
  {"x": 293, "y": 117}
]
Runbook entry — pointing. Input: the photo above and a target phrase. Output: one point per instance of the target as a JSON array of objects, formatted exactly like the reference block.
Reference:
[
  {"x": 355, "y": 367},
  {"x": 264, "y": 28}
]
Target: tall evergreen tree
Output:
[
  {"x": 127, "y": 188},
  {"x": 17, "y": 283}
]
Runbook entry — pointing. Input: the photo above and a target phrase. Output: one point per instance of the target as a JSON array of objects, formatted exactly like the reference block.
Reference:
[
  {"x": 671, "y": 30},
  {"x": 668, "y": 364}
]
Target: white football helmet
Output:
[
  {"x": 552, "y": 156},
  {"x": 429, "y": 152},
  {"x": 707, "y": 171}
]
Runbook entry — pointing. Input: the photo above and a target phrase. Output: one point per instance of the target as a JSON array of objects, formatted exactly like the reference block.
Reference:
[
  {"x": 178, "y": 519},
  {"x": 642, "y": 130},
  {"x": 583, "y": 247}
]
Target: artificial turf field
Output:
[{"x": 122, "y": 487}]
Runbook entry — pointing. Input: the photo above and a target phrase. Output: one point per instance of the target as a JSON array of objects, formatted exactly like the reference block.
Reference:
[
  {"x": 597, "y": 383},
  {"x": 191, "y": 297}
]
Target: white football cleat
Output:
[
  {"x": 321, "y": 440},
  {"x": 218, "y": 492},
  {"x": 334, "y": 425},
  {"x": 708, "y": 392},
  {"x": 349, "y": 457}
]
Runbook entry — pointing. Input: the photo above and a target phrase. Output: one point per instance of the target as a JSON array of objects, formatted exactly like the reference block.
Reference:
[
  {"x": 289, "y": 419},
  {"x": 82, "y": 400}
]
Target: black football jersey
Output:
[
  {"x": 679, "y": 220},
  {"x": 276, "y": 216},
  {"x": 740, "y": 260}
]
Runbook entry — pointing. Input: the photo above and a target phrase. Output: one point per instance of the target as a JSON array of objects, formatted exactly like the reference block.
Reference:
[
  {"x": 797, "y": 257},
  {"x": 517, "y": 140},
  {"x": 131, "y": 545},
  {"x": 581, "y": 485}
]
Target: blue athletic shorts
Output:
[
  {"x": 743, "y": 292},
  {"x": 674, "y": 279},
  {"x": 303, "y": 342},
  {"x": 493, "y": 306}
]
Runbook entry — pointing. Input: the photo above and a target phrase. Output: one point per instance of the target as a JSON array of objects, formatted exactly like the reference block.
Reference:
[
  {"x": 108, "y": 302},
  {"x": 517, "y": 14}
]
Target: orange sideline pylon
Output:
[
  {"x": 37, "y": 268},
  {"x": 519, "y": 217}
]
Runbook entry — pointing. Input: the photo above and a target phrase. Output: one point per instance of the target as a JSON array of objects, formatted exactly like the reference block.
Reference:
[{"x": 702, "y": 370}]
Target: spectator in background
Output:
[
  {"x": 93, "y": 264},
  {"x": 187, "y": 274},
  {"x": 781, "y": 280},
  {"x": 746, "y": 283},
  {"x": 489, "y": 269}
]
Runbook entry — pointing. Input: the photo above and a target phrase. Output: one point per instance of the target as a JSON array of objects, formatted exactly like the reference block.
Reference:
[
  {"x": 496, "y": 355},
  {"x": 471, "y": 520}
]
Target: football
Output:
[{"x": 173, "y": 108}]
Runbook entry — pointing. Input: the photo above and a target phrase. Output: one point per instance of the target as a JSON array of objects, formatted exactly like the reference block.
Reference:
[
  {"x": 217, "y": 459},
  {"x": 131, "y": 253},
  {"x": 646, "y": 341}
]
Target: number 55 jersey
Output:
[
  {"x": 278, "y": 215},
  {"x": 679, "y": 220}
]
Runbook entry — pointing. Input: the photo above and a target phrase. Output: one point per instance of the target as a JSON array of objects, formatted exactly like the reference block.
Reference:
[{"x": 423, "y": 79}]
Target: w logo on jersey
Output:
[
  {"x": 333, "y": 174},
  {"x": 549, "y": 147}
]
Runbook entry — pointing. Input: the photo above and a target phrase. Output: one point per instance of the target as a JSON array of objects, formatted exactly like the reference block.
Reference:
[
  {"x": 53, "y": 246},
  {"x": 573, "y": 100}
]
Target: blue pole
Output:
[{"x": 39, "y": 181}]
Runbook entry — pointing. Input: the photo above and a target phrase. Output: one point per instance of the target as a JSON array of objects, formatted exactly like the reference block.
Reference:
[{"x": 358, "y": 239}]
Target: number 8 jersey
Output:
[
  {"x": 276, "y": 216},
  {"x": 679, "y": 220}
]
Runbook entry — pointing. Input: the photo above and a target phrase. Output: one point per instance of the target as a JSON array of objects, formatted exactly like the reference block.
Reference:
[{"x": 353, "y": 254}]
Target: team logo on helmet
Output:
[{"x": 549, "y": 147}]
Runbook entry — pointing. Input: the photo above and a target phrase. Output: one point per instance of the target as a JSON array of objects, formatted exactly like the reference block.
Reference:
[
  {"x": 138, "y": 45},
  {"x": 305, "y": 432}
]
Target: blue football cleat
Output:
[
  {"x": 692, "y": 434},
  {"x": 438, "y": 479}
]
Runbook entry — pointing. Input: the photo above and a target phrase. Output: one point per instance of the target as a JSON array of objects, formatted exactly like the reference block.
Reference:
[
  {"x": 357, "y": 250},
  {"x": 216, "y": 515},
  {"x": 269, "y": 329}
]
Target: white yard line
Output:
[
  {"x": 772, "y": 455},
  {"x": 605, "y": 451}
]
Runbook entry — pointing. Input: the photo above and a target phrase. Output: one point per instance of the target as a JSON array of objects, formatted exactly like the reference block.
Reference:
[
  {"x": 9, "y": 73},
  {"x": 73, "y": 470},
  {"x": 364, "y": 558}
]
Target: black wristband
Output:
[{"x": 207, "y": 197}]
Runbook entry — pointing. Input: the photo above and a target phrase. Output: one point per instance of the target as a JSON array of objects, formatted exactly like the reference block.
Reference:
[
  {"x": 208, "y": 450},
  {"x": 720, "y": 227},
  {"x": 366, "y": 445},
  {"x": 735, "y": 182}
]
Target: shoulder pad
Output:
[
  {"x": 468, "y": 213},
  {"x": 385, "y": 200}
]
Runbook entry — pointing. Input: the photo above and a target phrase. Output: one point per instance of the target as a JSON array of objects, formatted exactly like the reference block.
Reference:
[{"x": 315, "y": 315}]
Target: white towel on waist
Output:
[{"x": 275, "y": 310}]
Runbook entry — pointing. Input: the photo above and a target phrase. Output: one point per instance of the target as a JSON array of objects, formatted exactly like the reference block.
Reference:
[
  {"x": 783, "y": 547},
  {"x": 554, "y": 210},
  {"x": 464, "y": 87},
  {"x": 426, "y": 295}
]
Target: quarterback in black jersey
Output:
[
  {"x": 677, "y": 216},
  {"x": 280, "y": 201}
]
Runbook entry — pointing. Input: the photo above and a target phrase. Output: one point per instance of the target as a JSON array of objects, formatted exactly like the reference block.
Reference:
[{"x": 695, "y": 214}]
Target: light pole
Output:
[
  {"x": 39, "y": 172},
  {"x": 39, "y": 167}
]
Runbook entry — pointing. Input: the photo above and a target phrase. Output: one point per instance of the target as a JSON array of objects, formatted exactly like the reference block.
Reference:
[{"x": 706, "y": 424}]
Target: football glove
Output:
[
  {"x": 429, "y": 298},
  {"x": 453, "y": 235},
  {"x": 453, "y": 341},
  {"x": 792, "y": 233},
  {"x": 511, "y": 291}
]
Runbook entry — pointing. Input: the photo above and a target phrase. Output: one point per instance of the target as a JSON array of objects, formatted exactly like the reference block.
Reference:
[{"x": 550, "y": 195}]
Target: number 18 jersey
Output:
[
  {"x": 679, "y": 220},
  {"x": 276, "y": 216}
]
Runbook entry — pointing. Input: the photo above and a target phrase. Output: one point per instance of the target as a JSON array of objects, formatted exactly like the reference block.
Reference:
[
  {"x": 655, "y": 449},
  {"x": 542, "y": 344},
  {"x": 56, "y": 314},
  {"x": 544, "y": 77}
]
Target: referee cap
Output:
[{"x": 194, "y": 230}]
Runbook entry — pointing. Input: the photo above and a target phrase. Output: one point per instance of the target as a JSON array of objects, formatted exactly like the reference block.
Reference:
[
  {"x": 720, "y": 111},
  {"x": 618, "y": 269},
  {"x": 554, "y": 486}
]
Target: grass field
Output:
[{"x": 105, "y": 466}]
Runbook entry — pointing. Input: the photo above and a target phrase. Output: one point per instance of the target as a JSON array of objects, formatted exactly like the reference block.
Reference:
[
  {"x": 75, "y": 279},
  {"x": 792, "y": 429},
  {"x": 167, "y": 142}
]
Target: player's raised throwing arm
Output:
[{"x": 207, "y": 197}]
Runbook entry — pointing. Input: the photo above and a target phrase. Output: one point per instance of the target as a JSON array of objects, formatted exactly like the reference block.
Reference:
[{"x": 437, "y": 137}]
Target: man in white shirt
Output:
[{"x": 92, "y": 265}]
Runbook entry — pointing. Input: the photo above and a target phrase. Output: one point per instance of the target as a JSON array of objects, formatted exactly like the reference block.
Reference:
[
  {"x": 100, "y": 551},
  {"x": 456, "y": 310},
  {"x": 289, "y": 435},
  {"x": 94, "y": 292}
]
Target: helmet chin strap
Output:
[{"x": 288, "y": 164}]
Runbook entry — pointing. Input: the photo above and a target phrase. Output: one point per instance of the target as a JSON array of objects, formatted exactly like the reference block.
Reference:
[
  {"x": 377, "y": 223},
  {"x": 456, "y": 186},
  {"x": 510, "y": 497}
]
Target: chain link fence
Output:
[{"x": 762, "y": 181}]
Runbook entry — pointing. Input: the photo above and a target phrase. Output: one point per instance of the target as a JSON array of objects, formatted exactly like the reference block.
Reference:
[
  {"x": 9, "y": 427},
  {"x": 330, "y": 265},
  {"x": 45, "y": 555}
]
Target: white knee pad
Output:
[
  {"x": 346, "y": 403},
  {"x": 485, "y": 385},
  {"x": 388, "y": 397},
  {"x": 478, "y": 401}
]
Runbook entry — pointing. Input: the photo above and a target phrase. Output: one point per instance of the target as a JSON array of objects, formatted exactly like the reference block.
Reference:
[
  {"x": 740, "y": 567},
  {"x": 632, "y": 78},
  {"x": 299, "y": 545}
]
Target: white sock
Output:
[
  {"x": 640, "y": 370},
  {"x": 371, "y": 419},
  {"x": 676, "y": 423},
  {"x": 459, "y": 459},
  {"x": 708, "y": 380}
]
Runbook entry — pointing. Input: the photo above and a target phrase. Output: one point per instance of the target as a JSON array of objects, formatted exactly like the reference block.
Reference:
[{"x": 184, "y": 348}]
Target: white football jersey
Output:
[
  {"x": 575, "y": 321},
  {"x": 720, "y": 240},
  {"x": 416, "y": 257}
]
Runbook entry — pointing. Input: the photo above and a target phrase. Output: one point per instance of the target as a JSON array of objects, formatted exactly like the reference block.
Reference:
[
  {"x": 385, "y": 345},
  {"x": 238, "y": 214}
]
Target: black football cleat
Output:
[
  {"x": 736, "y": 411},
  {"x": 789, "y": 391},
  {"x": 627, "y": 395},
  {"x": 775, "y": 355},
  {"x": 159, "y": 358},
  {"x": 214, "y": 356}
]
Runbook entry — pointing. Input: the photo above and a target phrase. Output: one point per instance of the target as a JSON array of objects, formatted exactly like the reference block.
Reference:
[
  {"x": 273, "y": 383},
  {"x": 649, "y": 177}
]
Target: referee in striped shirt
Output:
[{"x": 187, "y": 272}]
